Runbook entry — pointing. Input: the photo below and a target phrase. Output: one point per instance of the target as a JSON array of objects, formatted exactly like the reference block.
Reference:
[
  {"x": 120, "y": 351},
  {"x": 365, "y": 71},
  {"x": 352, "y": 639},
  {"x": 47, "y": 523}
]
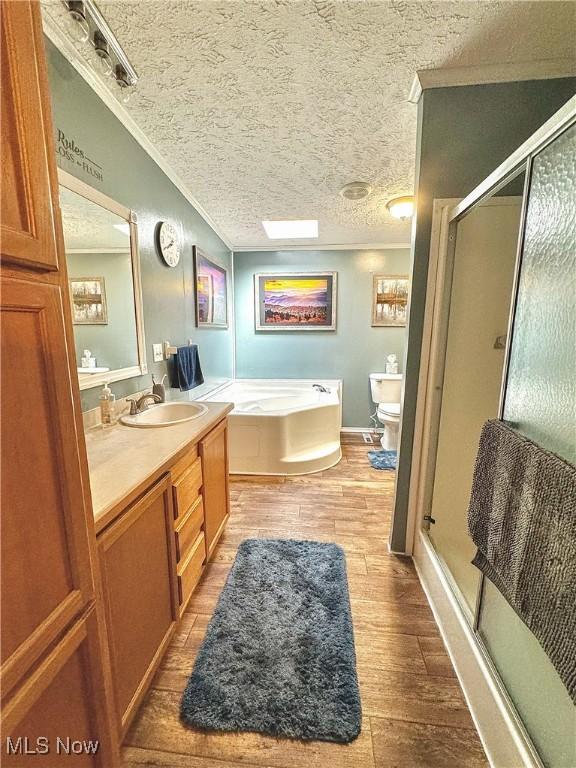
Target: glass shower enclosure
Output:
[{"x": 505, "y": 325}]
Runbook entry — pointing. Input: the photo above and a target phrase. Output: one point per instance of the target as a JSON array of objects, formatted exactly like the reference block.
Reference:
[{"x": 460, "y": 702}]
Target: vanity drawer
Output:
[
  {"x": 190, "y": 570},
  {"x": 184, "y": 463},
  {"x": 186, "y": 488},
  {"x": 189, "y": 528}
]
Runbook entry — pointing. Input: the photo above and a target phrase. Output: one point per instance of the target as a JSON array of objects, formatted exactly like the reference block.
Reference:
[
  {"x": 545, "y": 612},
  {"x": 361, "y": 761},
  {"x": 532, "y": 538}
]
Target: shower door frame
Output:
[{"x": 447, "y": 214}]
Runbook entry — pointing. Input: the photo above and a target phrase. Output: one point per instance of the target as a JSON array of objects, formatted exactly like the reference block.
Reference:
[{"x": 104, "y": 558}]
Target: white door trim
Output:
[{"x": 428, "y": 353}]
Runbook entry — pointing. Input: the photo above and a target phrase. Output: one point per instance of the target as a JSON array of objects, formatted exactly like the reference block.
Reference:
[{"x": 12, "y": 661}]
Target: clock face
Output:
[{"x": 169, "y": 243}]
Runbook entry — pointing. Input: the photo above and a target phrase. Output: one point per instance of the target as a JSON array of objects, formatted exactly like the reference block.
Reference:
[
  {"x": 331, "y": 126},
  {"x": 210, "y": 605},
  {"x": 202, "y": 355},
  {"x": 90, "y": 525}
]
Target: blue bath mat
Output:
[
  {"x": 383, "y": 459},
  {"x": 278, "y": 656}
]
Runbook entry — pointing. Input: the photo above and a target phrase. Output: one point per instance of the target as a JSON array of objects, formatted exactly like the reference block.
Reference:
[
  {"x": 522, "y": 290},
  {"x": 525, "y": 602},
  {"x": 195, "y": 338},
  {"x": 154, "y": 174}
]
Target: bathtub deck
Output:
[{"x": 414, "y": 711}]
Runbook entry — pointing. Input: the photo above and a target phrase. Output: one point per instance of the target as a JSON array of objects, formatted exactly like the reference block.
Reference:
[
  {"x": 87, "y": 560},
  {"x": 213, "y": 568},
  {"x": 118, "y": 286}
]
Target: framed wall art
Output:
[
  {"x": 211, "y": 287},
  {"x": 88, "y": 297},
  {"x": 299, "y": 301},
  {"x": 389, "y": 300}
]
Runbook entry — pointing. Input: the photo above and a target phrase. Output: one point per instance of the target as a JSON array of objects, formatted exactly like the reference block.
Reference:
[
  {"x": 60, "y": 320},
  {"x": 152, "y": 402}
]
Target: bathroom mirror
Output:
[{"x": 100, "y": 241}]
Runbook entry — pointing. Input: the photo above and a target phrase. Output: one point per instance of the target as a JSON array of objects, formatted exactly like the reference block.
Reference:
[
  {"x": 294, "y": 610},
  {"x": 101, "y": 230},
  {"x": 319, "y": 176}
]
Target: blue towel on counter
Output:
[{"x": 188, "y": 367}]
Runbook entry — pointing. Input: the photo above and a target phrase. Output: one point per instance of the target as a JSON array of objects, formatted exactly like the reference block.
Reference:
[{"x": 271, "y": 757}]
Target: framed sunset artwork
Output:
[
  {"x": 303, "y": 301},
  {"x": 389, "y": 300},
  {"x": 211, "y": 283}
]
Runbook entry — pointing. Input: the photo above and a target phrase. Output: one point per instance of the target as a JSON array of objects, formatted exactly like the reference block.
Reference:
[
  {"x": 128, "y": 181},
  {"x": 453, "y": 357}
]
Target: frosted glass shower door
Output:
[
  {"x": 481, "y": 292},
  {"x": 540, "y": 402}
]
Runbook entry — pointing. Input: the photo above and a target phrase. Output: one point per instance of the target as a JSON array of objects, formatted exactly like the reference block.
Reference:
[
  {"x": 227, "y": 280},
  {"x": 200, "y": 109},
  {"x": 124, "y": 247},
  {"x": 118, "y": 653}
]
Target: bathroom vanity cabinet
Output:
[
  {"x": 153, "y": 552},
  {"x": 137, "y": 557}
]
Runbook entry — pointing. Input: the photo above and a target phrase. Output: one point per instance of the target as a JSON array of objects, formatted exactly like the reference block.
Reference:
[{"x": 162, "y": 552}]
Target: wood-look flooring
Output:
[{"x": 414, "y": 713}]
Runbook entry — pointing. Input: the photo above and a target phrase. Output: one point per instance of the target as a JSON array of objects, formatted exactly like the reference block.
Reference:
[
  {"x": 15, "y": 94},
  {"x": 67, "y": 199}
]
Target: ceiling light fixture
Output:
[
  {"x": 102, "y": 50},
  {"x": 356, "y": 190},
  {"x": 85, "y": 22},
  {"x": 124, "y": 83},
  {"x": 77, "y": 23},
  {"x": 401, "y": 207},
  {"x": 288, "y": 230}
]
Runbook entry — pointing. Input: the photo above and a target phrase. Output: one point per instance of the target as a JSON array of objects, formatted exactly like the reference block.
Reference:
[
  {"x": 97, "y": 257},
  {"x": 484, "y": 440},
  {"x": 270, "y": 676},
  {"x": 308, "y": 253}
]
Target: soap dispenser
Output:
[{"x": 107, "y": 406}]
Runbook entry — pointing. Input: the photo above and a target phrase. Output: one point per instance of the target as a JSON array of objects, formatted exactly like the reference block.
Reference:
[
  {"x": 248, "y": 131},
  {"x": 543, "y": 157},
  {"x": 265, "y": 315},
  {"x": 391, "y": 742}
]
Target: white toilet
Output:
[{"x": 386, "y": 390}]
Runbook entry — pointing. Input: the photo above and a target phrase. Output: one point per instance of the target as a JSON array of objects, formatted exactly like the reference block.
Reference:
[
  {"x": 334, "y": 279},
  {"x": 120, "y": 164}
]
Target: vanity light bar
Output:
[{"x": 98, "y": 23}]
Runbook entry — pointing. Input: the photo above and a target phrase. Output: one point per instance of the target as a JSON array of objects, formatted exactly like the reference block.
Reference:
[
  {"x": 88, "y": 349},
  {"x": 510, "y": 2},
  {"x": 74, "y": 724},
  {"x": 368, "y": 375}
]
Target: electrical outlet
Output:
[{"x": 157, "y": 353}]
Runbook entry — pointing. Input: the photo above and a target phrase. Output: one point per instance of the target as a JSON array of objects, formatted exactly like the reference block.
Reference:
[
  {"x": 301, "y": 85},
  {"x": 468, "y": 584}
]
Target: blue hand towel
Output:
[{"x": 188, "y": 367}]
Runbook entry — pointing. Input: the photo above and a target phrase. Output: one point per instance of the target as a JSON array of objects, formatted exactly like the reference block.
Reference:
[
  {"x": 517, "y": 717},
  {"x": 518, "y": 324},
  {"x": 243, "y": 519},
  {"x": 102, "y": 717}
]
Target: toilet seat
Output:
[{"x": 390, "y": 410}]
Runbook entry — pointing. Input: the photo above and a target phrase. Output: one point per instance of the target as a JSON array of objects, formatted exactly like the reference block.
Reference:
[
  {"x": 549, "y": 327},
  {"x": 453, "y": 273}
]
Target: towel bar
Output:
[{"x": 170, "y": 350}]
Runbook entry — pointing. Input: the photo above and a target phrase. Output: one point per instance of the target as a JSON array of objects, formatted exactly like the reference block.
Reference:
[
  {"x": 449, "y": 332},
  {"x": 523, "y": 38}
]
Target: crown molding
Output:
[
  {"x": 450, "y": 77},
  {"x": 311, "y": 247},
  {"x": 67, "y": 49}
]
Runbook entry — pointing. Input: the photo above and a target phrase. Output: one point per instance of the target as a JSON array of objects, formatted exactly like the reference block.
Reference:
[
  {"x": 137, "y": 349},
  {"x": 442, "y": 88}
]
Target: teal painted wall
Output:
[
  {"x": 350, "y": 353},
  {"x": 130, "y": 176},
  {"x": 463, "y": 134}
]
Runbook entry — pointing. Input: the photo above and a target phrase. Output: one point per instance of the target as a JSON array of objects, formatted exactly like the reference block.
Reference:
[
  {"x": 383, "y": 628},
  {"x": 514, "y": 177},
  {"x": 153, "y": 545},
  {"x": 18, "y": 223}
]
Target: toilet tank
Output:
[{"x": 386, "y": 387}]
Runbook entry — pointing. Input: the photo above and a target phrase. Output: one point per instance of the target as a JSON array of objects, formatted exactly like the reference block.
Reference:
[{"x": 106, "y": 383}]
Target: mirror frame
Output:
[{"x": 89, "y": 381}]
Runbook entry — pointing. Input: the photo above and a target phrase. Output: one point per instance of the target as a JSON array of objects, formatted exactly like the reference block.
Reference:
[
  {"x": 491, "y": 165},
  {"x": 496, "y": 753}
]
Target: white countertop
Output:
[{"x": 121, "y": 458}]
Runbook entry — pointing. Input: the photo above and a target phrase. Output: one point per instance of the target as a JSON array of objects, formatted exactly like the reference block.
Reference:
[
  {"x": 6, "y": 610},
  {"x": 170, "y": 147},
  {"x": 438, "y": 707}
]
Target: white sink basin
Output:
[{"x": 165, "y": 415}]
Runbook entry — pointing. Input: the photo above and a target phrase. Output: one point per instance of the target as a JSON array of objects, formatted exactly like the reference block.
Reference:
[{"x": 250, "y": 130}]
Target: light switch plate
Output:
[{"x": 157, "y": 352}]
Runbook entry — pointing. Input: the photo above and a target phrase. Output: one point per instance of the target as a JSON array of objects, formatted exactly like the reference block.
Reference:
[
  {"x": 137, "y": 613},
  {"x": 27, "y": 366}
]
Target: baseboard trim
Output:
[
  {"x": 359, "y": 430},
  {"x": 503, "y": 737}
]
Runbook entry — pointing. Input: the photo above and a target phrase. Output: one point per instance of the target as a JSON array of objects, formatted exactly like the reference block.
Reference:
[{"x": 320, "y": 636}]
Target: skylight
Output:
[{"x": 280, "y": 230}]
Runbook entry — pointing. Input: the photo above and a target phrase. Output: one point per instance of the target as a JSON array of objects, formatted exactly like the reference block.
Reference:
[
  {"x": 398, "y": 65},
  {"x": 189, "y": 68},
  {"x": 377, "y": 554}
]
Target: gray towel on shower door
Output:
[{"x": 522, "y": 518}]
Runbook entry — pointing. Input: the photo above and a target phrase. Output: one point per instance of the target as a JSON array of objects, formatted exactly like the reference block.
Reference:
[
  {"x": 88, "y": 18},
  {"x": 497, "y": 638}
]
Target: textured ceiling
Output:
[
  {"x": 87, "y": 225},
  {"x": 265, "y": 109}
]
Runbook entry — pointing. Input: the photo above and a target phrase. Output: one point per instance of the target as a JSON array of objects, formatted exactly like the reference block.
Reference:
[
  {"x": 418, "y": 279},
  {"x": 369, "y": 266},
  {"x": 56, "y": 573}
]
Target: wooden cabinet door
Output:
[
  {"x": 137, "y": 556},
  {"x": 46, "y": 576},
  {"x": 48, "y": 545},
  {"x": 29, "y": 191},
  {"x": 52, "y": 719},
  {"x": 214, "y": 453}
]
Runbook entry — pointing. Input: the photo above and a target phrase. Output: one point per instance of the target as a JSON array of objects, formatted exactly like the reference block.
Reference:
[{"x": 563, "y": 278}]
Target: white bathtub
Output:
[{"x": 282, "y": 426}]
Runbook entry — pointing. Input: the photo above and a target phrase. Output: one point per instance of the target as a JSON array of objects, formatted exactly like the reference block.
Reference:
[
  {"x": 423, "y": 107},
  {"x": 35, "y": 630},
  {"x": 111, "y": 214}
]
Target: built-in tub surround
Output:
[
  {"x": 283, "y": 427},
  {"x": 349, "y": 353}
]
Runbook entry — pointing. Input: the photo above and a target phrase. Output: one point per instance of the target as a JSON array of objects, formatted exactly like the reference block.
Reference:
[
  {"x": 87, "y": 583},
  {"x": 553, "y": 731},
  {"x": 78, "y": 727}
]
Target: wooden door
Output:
[
  {"x": 29, "y": 207},
  {"x": 46, "y": 576},
  {"x": 48, "y": 546},
  {"x": 214, "y": 453},
  {"x": 137, "y": 556},
  {"x": 52, "y": 714}
]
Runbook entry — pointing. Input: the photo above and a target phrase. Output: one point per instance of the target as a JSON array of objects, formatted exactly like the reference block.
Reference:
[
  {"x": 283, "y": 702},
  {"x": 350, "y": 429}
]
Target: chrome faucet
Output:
[
  {"x": 141, "y": 404},
  {"x": 320, "y": 388}
]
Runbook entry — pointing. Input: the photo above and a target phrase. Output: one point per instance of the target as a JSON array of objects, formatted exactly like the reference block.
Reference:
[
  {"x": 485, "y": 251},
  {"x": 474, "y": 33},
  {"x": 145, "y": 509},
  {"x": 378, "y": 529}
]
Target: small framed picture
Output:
[
  {"x": 88, "y": 297},
  {"x": 211, "y": 285},
  {"x": 303, "y": 301},
  {"x": 389, "y": 300}
]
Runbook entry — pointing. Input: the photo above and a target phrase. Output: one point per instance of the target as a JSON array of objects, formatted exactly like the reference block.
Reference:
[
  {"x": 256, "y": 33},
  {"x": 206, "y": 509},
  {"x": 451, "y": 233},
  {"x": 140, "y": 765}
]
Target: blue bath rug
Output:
[
  {"x": 278, "y": 656},
  {"x": 383, "y": 459}
]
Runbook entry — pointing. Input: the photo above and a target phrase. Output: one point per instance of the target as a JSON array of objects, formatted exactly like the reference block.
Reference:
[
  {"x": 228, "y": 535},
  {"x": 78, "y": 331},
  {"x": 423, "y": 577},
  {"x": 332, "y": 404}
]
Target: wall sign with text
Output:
[{"x": 68, "y": 149}]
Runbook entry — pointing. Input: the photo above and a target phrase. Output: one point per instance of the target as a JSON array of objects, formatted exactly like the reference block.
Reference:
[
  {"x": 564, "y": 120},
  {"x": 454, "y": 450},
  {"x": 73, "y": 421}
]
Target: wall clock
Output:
[{"x": 168, "y": 243}]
